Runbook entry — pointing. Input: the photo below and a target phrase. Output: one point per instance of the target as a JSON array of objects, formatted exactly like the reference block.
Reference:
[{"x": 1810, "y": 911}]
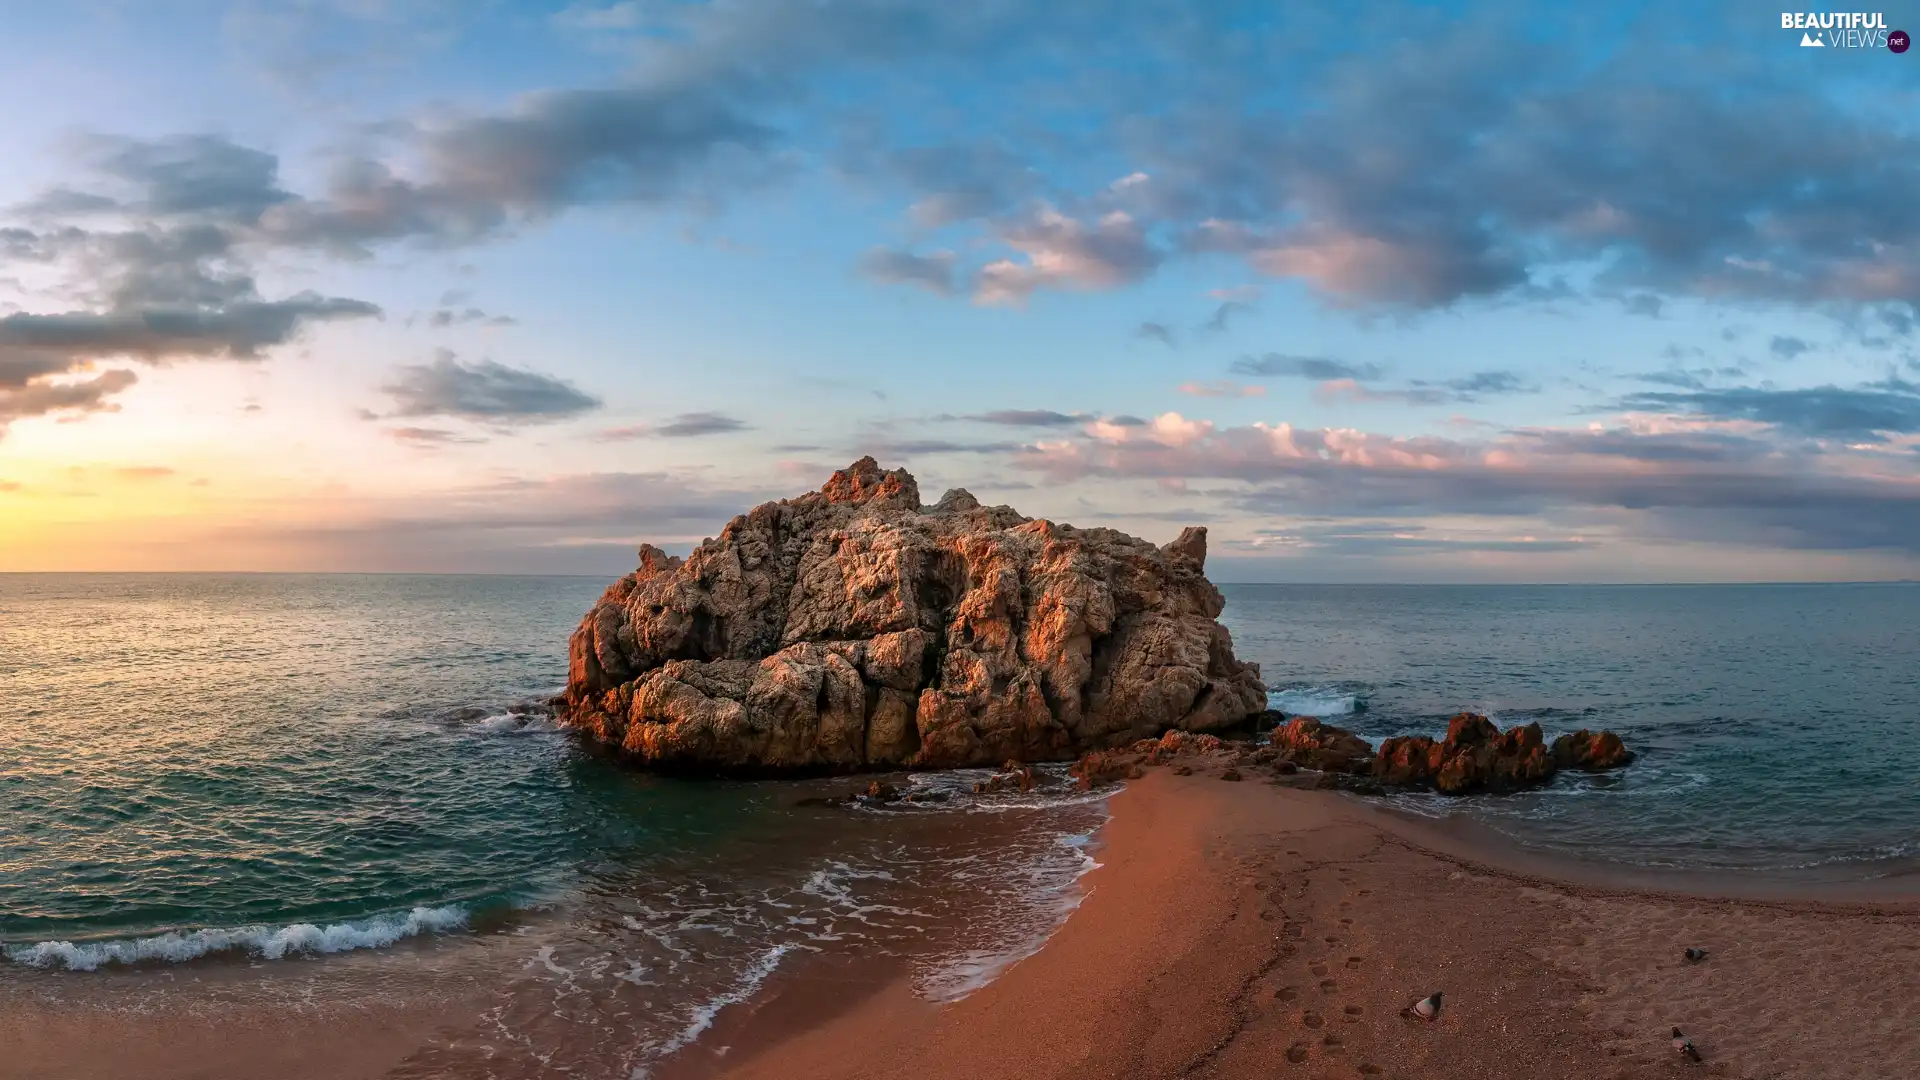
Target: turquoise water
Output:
[
  {"x": 1777, "y": 724},
  {"x": 191, "y": 752}
]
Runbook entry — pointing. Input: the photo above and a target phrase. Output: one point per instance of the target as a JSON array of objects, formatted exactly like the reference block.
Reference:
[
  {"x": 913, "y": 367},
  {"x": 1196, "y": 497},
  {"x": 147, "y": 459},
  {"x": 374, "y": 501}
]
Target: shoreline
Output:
[
  {"x": 1229, "y": 929},
  {"x": 1476, "y": 845},
  {"x": 1255, "y": 929}
]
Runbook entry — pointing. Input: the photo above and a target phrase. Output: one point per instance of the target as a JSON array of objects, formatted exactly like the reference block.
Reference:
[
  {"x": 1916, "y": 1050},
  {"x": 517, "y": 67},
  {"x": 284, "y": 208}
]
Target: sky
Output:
[{"x": 1377, "y": 292}]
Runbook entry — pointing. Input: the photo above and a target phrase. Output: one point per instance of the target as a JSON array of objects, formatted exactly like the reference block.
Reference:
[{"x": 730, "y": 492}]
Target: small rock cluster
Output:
[{"x": 1475, "y": 756}]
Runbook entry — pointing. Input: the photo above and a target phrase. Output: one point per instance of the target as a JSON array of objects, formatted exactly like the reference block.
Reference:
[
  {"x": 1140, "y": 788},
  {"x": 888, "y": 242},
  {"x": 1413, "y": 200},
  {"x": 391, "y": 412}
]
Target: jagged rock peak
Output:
[
  {"x": 865, "y": 481},
  {"x": 956, "y": 501},
  {"x": 1190, "y": 545}
]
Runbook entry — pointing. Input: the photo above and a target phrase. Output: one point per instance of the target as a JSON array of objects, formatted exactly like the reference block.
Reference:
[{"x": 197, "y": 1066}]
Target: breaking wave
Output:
[
  {"x": 264, "y": 942},
  {"x": 1315, "y": 701}
]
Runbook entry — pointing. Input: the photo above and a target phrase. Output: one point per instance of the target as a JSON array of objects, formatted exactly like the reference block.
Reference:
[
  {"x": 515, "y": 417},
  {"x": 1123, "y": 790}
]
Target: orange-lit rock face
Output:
[{"x": 854, "y": 628}]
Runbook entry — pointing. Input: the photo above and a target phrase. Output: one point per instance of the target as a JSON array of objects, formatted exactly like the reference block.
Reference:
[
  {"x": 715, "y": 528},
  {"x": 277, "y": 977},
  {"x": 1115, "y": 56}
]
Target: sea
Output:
[{"x": 256, "y": 775}]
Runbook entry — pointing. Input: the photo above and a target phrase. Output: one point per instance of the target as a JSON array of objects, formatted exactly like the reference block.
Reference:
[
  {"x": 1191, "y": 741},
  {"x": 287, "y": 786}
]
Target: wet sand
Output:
[
  {"x": 359, "y": 1015},
  {"x": 1250, "y": 930}
]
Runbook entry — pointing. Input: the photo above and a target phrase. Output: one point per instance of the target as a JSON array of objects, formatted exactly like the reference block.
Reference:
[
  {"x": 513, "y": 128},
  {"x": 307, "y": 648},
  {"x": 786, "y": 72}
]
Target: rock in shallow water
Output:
[
  {"x": 1477, "y": 756},
  {"x": 851, "y": 628}
]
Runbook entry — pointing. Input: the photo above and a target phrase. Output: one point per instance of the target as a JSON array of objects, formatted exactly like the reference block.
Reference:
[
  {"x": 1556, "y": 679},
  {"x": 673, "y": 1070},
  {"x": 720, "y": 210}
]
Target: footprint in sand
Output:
[
  {"x": 1370, "y": 1069},
  {"x": 1354, "y": 961},
  {"x": 1366, "y": 892},
  {"x": 1297, "y": 1053},
  {"x": 1354, "y": 1010},
  {"x": 1331, "y": 940},
  {"x": 1286, "y": 993},
  {"x": 1346, "y": 922},
  {"x": 1320, "y": 969},
  {"x": 1330, "y": 1039},
  {"x": 1313, "y": 1019},
  {"x": 1328, "y": 986}
]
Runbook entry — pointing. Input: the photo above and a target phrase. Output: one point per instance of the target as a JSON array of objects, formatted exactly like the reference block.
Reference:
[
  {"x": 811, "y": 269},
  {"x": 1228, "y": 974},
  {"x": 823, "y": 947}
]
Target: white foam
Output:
[
  {"x": 958, "y": 976},
  {"x": 703, "y": 1014},
  {"x": 265, "y": 942},
  {"x": 1313, "y": 701},
  {"x": 514, "y": 724}
]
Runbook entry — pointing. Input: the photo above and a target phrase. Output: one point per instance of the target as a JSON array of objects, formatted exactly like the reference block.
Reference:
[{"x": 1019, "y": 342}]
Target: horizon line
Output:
[{"x": 1326, "y": 584}]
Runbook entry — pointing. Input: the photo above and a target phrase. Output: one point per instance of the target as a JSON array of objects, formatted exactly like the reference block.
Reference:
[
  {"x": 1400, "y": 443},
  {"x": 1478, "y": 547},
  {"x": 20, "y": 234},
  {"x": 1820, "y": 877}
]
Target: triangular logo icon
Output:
[{"x": 1808, "y": 41}]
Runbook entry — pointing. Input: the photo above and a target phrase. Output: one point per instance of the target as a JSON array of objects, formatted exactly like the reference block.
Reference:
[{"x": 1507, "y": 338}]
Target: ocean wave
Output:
[
  {"x": 702, "y": 1015},
  {"x": 1054, "y": 886},
  {"x": 514, "y": 724},
  {"x": 1315, "y": 701},
  {"x": 265, "y": 942}
]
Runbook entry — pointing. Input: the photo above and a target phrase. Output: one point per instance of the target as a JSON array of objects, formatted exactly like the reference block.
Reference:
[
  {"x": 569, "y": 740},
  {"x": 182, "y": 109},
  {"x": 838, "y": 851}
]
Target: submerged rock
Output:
[
  {"x": 852, "y": 628},
  {"x": 1307, "y": 741},
  {"x": 1477, "y": 756},
  {"x": 1592, "y": 751}
]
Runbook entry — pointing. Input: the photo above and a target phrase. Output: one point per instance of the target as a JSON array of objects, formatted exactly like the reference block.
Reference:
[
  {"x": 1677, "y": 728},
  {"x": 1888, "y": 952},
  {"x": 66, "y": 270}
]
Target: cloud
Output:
[
  {"x": 75, "y": 397},
  {"x": 1642, "y": 304},
  {"x": 1402, "y": 539},
  {"x": 904, "y": 448},
  {"x": 1480, "y": 384},
  {"x": 158, "y": 266},
  {"x": 1787, "y": 347},
  {"x": 933, "y": 272},
  {"x": 1027, "y": 418},
  {"x": 1342, "y": 381},
  {"x": 484, "y": 391},
  {"x": 1667, "y": 478},
  {"x": 625, "y": 15},
  {"x": 429, "y": 437},
  {"x": 445, "y": 317},
  {"x": 1354, "y": 392},
  {"x": 1063, "y": 252},
  {"x": 554, "y": 150},
  {"x": 586, "y": 523},
  {"x": 143, "y": 472},
  {"x": 1153, "y": 331},
  {"x": 237, "y": 331},
  {"x": 1477, "y": 193},
  {"x": 1303, "y": 367},
  {"x": 1222, "y": 390},
  {"x": 1218, "y": 321},
  {"x": 1866, "y": 413},
  {"x": 959, "y": 182},
  {"x": 1241, "y": 294},
  {"x": 205, "y": 178},
  {"x": 684, "y": 426}
]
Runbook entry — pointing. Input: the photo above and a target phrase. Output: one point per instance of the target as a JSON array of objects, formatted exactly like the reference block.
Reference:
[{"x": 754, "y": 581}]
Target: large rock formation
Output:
[{"x": 853, "y": 628}]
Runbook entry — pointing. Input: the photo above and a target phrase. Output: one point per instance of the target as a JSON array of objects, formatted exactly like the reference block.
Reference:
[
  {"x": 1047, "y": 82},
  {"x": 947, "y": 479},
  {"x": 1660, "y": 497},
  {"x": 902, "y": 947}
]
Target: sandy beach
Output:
[
  {"x": 1250, "y": 930},
  {"x": 1233, "y": 929}
]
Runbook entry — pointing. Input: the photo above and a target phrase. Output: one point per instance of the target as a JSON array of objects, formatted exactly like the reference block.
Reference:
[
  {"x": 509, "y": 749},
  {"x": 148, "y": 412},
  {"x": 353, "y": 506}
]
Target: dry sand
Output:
[{"x": 1248, "y": 930}]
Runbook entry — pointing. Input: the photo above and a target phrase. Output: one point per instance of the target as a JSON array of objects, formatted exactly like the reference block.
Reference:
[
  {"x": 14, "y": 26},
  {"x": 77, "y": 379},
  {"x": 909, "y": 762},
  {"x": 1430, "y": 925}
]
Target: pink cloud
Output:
[{"x": 1222, "y": 390}]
